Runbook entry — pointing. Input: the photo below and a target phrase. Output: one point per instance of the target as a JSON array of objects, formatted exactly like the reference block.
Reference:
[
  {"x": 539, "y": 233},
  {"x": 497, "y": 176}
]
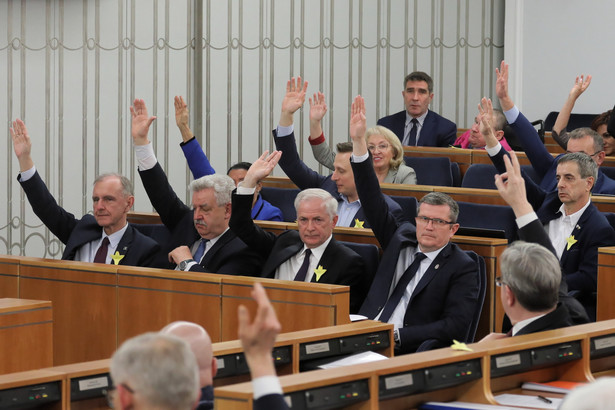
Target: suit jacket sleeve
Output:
[
  {"x": 324, "y": 155},
  {"x": 244, "y": 227},
  {"x": 170, "y": 208},
  {"x": 270, "y": 402},
  {"x": 382, "y": 221},
  {"x": 536, "y": 233},
  {"x": 196, "y": 158},
  {"x": 459, "y": 301},
  {"x": 527, "y": 135},
  {"x": 293, "y": 166},
  {"x": 44, "y": 205}
]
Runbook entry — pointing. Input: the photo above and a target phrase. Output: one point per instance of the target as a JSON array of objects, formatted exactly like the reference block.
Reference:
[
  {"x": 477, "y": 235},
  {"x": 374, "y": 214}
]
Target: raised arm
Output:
[
  {"x": 195, "y": 156},
  {"x": 22, "y": 145},
  {"x": 293, "y": 100},
  {"x": 579, "y": 87},
  {"x": 140, "y": 122},
  {"x": 323, "y": 154},
  {"x": 501, "y": 87}
]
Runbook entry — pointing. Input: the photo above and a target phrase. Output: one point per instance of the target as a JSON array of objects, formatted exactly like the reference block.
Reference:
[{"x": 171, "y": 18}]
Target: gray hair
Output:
[
  {"x": 598, "y": 395},
  {"x": 587, "y": 166},
  {"x": 398, "y": 149},
  {"x": 127, "y": 187},
  {"x": 533, "y": 274},
  {"x": 222, "y": 185},
  {"x": 329, "y": 202},
  {"x": 160, "y": 368},
  {"x": 440, "y": 198},
  {"x": 581, "y": 133},
  {"x": 499, "y": 120}
]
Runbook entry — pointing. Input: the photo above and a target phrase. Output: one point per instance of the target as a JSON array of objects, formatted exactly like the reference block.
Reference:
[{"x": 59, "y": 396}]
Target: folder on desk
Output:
[{"x": 434, "y": 405}]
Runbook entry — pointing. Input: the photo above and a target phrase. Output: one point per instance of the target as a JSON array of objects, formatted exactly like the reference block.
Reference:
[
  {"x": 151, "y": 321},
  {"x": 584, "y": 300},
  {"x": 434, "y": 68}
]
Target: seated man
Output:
[
  {"x": 310, "y": 254},
  {"x": 417, "y": 125},
  {"x": 473, "y": 138},
  {"x": 340, "y": 184},
  {"x": 574, "y": 225},
  {"x": 154, "y": 371},
  {"x": 105, "y": 237},
  {"x": 426, "y": 286},
  {"x": 581, "y": 140},
  {"x": 200, "y": 343},
  {"x": 200, "y": 166},
  {"x": 200, "y": 238}
]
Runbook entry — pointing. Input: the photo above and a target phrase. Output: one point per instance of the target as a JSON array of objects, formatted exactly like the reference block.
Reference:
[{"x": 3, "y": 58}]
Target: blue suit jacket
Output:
[
  {"x": 443, "y": 304},
  {"x": 437, "y": 131},
  {"x": 304, "y": 177},
  {"x": 542, "y": 161},
  {"x": 199, "y": 166},
  {"x": 270, "y": 402},
  {"x": 138, "y": 249},
  {"x": 229, "y": 255}
]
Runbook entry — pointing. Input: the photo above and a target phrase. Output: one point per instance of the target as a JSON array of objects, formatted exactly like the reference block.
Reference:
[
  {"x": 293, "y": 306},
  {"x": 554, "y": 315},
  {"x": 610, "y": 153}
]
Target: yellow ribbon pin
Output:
[
  {"x": 571, "y": 241},
  {"x": 319, "y": 271},
  {"x": 460, "y": 346},
  {"x": 358, "y": 224},
  {"x": 117, "y": 257}
]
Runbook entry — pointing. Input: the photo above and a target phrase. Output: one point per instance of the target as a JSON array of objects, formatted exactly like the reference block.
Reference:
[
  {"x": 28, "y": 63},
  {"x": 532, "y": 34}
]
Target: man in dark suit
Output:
[
  {"x": 200, "y": 238},
  {"x": 309, "y": 254},
  {"x": 581, "y": 140},
  {"x": 106, "y": 236},
  {"x": 417, "y": 125},
  {"x": 340, "y": 184},
  {"x": 425, "y": 285}
]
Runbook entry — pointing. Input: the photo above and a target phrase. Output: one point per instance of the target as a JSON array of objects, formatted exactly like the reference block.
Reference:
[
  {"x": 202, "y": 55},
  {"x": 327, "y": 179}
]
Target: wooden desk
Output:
[
  {"x": 44, "y": 386},
  {"x": 605, "y": 308},
  {"x": 26, "y": 338},
  {"x": 85, "y": 385},
  {"x": 9, "y": 276}
]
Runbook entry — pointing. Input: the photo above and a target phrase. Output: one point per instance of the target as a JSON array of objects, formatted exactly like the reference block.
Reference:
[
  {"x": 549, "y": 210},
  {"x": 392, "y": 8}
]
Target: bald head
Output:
[{"x": 200, "y": 344}]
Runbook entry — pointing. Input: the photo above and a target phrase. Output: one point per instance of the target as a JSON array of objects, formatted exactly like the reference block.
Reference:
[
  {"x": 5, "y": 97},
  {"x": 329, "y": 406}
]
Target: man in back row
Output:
[
  {"x": 417, "y": 125},
  {"x": 105, "y": 237}
]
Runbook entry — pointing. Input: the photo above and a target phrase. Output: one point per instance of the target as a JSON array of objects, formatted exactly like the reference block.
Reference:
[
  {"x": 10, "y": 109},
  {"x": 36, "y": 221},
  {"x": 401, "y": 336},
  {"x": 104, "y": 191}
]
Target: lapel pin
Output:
[
  {"x": 578, "y": 227},
  {"x": 437, "y": 266}
]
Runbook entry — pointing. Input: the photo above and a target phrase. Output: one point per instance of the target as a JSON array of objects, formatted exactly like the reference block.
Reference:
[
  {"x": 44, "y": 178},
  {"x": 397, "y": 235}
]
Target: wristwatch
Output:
[{"x": 184, "y": 264}]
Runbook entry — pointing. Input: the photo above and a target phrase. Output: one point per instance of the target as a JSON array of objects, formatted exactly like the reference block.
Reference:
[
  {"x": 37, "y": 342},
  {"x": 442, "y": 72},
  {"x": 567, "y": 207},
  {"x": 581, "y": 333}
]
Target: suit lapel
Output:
[
  {"x": 124, "y": 243},
  {"x": 281, "y": 256},
  {"x": 84, "y": 232},
  {"x": 575, "y": 235},
  {"x": 432, "y": 270},
  {"x": 327, "y": 259},
  {"x": 224, "y": 239}
]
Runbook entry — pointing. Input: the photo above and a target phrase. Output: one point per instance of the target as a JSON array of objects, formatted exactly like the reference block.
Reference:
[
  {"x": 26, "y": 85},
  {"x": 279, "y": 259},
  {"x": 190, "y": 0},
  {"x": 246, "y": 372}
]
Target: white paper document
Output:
[
  {"x": 534, "y": 402},
  {"x": 364, "y": 357}
]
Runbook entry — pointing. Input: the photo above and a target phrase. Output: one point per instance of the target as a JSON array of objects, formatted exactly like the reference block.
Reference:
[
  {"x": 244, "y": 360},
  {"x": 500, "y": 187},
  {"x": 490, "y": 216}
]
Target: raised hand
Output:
[
  {"x": 293, "y": 100},
  {"x": 501, "y": 86},
  {"x": 140, "y": 122},
  {"x": 357, "y": 119},
  {"x": 511, "y": 186},
  {"x": 318, "y": 107},
  {"x": 258, "y": 338},
  {"x": 580, "y": 85},
  {"x": 22, "y": 145},
  {"x": 182, "y": 117},
  {"x": 485, "y": 118},
  {"x": 261, "y": 168}
]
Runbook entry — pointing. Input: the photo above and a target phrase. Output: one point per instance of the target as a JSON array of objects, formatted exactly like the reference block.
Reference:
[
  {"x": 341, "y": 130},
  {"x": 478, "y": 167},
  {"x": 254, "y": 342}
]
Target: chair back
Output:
[
  {"x": 431, "y": 170},
  {"x": 283, "y": 198}
]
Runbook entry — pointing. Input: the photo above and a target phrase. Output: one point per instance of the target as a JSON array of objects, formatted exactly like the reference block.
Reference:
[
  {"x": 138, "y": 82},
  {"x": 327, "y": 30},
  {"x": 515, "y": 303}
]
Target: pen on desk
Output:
[{"x": 545, "y": 399}]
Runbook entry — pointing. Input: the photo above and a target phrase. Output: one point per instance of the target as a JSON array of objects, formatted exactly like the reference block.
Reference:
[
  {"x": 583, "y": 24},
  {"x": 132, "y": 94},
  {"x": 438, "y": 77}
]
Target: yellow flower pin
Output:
[
  {"x": 358, "y": 224},
  {"x": 117, "y": 257},
  {"x": 571, "y": 241},
  {"x": 460, "y": 346},
  {"x": 319, "y": 271}
]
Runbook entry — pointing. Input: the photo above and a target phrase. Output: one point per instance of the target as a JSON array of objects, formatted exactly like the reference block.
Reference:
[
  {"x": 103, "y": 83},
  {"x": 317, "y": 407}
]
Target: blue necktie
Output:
[
  {"x": 400, "y": 288},
  {"x": 302, "y": 272},
  {"x": 412, "y": 135},
  {"x": 198, "y": 255}
]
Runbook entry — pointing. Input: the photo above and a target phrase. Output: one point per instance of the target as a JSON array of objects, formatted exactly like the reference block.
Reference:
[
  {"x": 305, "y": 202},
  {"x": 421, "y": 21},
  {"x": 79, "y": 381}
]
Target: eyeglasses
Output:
[
  {"x": 110, "y": 393},
  {"x": 381, "y": 147},
  {"x": 498, "y": 282},
  {"x": 436, "y": 221}
]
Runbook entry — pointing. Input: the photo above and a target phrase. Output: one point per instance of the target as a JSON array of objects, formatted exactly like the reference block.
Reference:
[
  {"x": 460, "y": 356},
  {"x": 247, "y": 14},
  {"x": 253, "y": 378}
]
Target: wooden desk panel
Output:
[
  {"x": 84, "y": 302},
  {"x": 34, "y": 377},
  {"x": 9, "y": 276},
  {"x": 149, "y": 299},
  {"x": 606, "y": 283},
  {"x": 26, "y": 335},
  {"x": 298, "y": 306},
  {"x": 77, "y": 370}
]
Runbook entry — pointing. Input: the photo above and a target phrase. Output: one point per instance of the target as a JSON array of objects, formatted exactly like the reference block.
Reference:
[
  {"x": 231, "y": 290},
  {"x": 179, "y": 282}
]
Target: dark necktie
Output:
[
  {"x": 412, "y": 135},
  {"x": 200, "y": 251},
  {"x": 302, "y": 272},
  {"x": 101, "y": 253},
  {"x": 400, "y": 288}
]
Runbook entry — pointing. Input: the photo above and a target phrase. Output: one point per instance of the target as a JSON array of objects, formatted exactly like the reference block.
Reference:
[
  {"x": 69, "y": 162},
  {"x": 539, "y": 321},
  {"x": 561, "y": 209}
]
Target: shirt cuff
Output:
[
  {"x": 265, "y": 385},
  {"x": 26, "y": 175},
  {"x": 360, "y": 158},
  {"x": 526, "y": 219},
  {"x": 146, "y": 158},
  {"x": 319, "y": 140},
  {"x": 241, "y": 190},
  {"x": 512, "y": 114},
  {"x": 285, "y": 131},
  {"x": 493, "y": 150}
]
